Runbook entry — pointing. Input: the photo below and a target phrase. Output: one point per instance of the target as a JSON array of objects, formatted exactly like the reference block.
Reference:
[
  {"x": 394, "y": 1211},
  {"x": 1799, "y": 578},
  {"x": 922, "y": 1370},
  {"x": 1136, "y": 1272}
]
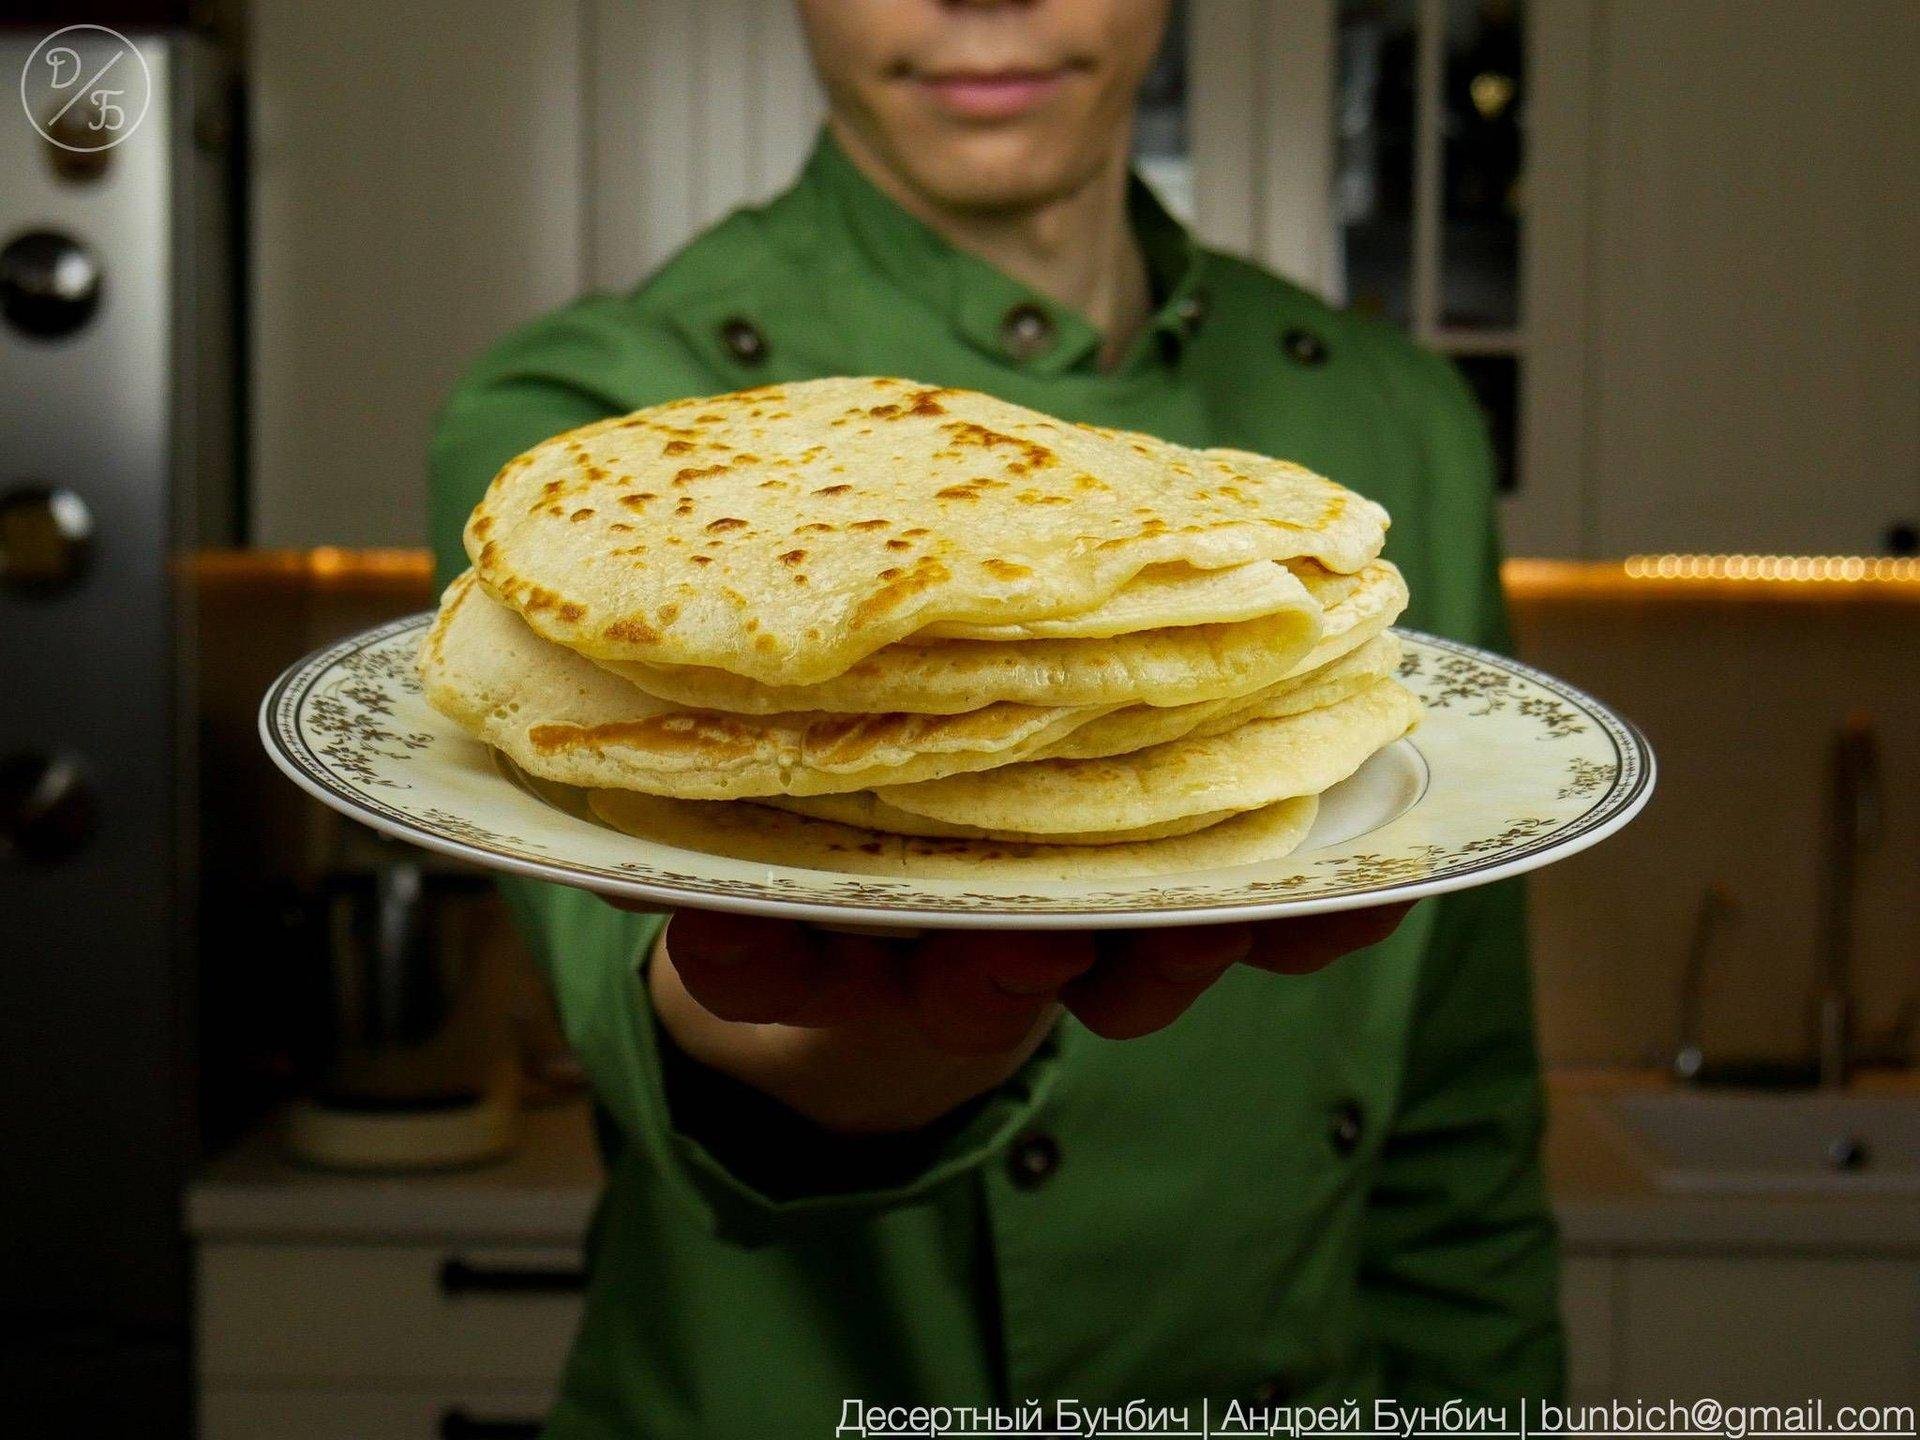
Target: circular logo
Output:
[{"x": 85, "y": 88}]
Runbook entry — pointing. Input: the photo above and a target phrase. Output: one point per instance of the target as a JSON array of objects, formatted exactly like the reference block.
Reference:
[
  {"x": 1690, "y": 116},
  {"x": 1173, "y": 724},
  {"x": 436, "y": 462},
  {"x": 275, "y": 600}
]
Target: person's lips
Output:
[{"x": 992, "y": 94}]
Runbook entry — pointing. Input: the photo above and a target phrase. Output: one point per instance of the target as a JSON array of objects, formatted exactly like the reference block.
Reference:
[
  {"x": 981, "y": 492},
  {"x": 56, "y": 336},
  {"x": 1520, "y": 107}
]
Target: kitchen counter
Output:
[{"x": 544, "y": 1193}]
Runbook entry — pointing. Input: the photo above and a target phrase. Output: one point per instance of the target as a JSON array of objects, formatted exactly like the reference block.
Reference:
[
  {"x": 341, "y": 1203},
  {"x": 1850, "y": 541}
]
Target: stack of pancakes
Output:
[{"x": 872, "y": 625}]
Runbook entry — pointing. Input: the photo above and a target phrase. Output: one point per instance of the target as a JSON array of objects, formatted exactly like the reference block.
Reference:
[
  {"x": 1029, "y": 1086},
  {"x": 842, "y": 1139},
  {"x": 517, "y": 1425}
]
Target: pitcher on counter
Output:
[{"x": 982, "y": 1170}]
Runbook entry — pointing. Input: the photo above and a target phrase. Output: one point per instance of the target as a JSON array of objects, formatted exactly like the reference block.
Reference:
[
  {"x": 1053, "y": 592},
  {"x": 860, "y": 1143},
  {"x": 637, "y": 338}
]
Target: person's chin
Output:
[{"x": 991, "y": 170}]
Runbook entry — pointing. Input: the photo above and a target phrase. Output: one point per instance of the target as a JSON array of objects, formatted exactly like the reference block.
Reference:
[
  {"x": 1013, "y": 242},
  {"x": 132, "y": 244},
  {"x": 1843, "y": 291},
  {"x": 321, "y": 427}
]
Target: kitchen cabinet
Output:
[
  {"x": 1743, "y": 1328},
  {"x": 375, "y": 1340},
  {"x": 1724, "y": 203}
]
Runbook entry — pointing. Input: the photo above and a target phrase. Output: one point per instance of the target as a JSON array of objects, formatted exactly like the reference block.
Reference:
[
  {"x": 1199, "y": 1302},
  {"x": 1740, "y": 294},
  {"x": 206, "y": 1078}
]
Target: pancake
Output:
[
  {"x": 565, "y": 719},
  {"x": 781, "y": 535},
  {"x": 1253, "y": 764},
  {"x": 944, "y": 677},
  {"x": 772, "y": 837},
  {"x": 867, "y": 810}
]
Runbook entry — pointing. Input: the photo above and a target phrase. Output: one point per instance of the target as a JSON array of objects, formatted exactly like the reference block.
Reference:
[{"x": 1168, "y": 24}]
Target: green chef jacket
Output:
[{"x": 1306, "y": 1190}]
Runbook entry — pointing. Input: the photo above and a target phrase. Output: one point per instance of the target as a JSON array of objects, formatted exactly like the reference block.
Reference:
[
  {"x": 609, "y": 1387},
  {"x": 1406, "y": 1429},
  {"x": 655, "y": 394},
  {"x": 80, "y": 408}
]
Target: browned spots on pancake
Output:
[
  {"x": 597, "y": 473},
  {"x": 737, "y": 600},
  {"x": 833, "y": 490},
  {"x": 765, "y": 643},
  {"x": 1006, "y": 569},
  {"x": 639, "y": 500},
  {"x": 701, "y": 559},
  {"x": 677, "y": 447},
  {"x": 552, "y": 488},
  {"x": 572, "y": 612},
  {"x": 964, "y": 491},
  {"x": 633, "y": 631},
  {"x": 620, "y": 527},
  {"x": 875, "y": 524},
  {"x": 915, "y": 533},
  {"x": 899, "y": 544},
  {"x": 799, "y": 579},
  {"x": 1032, "y": 454},
  {"x": 487, "y": 553},
  {"x": 685, "y": 507},
  {"x": 775, "y": 485},
  {"x": 482, "y": 525},
  {"x": 724, "y": 524},
  {"x": 669, "y": 613},
  {"x": 535, "y": 597},
  {"x": 700, "y": 472},
  {"x": 687, "y": 732},
  {"x": 815, "y": 527},
  {"x": 585, "y": 512},
  {"x": 901, "y": 586},
  {"x": 709, "y": 419},
  {"x": 793, "y": 557},
  {"x": 1089, "y": 482},
  {"x": 1041, "y": 497},
  {"x": 920, "y": 402}
]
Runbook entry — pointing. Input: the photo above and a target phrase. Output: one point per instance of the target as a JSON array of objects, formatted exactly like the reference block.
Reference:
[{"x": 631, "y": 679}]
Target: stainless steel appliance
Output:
[{"x": 115, "y": 446}]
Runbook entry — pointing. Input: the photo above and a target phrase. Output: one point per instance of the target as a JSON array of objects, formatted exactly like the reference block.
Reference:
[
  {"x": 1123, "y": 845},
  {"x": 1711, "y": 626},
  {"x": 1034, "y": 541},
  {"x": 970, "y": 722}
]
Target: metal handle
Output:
[
  {"x": 459, "y": 1424},
  {"x": 461, "y": 1277}
]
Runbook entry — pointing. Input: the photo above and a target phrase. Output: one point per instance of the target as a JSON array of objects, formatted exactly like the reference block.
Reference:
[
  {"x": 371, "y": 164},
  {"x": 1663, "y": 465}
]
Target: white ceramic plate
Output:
[{"x": 1510, "y": 770}]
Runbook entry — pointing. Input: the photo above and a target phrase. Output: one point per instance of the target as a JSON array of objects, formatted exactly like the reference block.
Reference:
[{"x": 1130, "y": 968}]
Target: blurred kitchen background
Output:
[{"x": 1671, "y": 245}]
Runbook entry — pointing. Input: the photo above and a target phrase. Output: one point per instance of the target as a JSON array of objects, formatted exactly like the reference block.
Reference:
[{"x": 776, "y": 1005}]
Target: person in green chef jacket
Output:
[{"x": 979, "y": 1170}]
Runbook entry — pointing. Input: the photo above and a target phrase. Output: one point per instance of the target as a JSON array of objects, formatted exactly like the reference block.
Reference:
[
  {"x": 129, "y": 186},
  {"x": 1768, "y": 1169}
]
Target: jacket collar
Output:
[{"x": 976, "y": 298}]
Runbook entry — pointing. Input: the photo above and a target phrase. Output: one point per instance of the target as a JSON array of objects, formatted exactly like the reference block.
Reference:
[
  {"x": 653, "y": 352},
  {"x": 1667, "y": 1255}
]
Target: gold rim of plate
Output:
[{"x": 1518, "y": 769}]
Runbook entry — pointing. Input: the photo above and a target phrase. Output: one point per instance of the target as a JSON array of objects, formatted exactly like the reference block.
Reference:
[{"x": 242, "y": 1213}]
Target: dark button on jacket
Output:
[
  {"x": 1303, "y": 347},
  {"x": 1033, "y": 1159},
  {"x": 1026, "y": 332},
  {"x": 744, "y": 340}
]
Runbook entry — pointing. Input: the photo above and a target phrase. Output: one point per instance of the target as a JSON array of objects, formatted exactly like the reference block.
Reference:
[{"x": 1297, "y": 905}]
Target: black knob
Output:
[
  {"x": 460, "y": 1424},
  {"x": 49, "y": 284},
  {"x": 1903, "y": 538},
  {"x": 47, "y": 808},
  {"x": 46, "y": 539}
]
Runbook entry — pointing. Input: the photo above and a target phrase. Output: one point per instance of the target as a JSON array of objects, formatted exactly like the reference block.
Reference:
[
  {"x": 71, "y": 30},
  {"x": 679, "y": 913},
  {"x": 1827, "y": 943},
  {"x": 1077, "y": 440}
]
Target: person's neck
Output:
[{"x": 1077, "y": 249}]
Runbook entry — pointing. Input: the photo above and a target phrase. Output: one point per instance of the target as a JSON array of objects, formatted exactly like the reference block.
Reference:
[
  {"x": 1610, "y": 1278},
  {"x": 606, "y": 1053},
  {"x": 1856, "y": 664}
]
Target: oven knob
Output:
[
  {"x": 46, "y": 539},
  {"x": 49, "y": 284},
  {"x": 47, "y": 809}
]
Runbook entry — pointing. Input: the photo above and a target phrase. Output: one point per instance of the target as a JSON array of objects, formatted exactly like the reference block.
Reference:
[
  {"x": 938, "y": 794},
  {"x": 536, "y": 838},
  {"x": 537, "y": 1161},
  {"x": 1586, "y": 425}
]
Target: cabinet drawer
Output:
[
  {"x": 353, "y": 1313},
  {"x": 268, "y": 1414}
]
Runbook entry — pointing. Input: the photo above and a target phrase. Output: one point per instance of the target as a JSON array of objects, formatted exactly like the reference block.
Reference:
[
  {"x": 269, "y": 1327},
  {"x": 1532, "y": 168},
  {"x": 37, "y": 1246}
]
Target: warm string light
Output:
[{"x": 1815, "y": 569}]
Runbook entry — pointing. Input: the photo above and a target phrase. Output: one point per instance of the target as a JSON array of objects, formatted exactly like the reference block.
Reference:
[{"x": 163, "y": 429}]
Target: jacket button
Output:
[
  {"x": 1026, "y": 331},
  {"x": 1033, "y": 1159},
  {"x": 1349, "y": 1124},
  {"x": 1191, "y": 311},
  {"x": 1303, "y": 347},
  {"x": 744, "y": 340}
]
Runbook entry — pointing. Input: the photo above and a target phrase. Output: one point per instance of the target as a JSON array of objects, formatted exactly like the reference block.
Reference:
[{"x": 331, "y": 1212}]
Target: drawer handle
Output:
[
  {"x": 460, "y": 1277},
  {"x": 458, "y": 1424}
]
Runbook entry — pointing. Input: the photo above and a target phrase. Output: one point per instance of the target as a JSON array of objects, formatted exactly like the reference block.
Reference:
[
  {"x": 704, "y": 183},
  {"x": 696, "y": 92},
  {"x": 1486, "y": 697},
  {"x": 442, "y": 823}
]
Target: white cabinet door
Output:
[
  {"x": 1588, "y": 1286},
  {"x": 1757, "y": 1330},
  {"x": 227, "y": 1414},
  {"x": 1743, "y": 280},
  {"x": 371, "y": 1314}
]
